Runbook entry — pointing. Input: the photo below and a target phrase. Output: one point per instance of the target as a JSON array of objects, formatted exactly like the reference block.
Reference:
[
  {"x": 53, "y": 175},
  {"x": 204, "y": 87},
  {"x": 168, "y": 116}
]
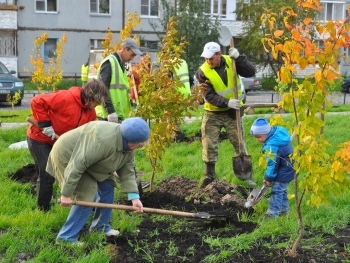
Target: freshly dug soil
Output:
[{"x": 178, "y": 239}]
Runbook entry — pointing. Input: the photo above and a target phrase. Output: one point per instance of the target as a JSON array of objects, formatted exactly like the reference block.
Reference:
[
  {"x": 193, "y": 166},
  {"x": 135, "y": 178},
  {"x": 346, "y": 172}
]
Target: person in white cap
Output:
[
  {"x": 220, "y": 103},
  {"x": 113, "y": 74},
  {"x": 279, "y": 171},
  {"x": 84, "y": 161}
]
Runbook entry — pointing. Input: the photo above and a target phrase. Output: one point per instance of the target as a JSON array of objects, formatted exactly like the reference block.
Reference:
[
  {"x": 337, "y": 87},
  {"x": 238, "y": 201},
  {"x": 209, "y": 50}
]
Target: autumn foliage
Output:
[
  {"x": 318, "y": 175},
  {"x": 43, "y": 75},
  {"x": 159, "y": 100}
]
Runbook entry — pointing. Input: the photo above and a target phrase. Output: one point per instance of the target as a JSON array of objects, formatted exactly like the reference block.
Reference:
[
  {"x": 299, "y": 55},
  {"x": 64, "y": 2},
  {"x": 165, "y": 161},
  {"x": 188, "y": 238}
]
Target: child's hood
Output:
[{"x": 278, "y": 136}]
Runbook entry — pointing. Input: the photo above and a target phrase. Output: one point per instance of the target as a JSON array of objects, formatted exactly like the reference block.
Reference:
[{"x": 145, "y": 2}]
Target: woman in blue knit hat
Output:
[
  {"x": 84, "y": 161},
  {"x": 279, "y": 171}
]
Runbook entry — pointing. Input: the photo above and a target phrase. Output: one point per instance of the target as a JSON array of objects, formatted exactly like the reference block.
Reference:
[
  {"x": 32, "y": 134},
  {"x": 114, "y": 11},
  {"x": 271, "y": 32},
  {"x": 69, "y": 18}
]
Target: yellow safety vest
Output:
[
  {"x": 84, "y": 73},
  {"x": 219, "y": 86},
  {"x": 118, "y": 90},
  {"x": 182, "y": 72}
]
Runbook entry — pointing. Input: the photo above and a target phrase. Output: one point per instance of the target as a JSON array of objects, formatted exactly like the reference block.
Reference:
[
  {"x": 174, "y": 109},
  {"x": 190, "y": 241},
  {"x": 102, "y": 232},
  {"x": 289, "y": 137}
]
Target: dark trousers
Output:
[{"x": 40, "y": 152}]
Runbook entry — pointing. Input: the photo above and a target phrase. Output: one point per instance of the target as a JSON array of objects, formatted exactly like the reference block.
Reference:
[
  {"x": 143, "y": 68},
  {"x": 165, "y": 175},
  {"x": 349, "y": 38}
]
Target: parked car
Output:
[
  {"x": 253, "y": 83},
  {"x": 346, "y": 85},
  {"x": 9, "y": 84},
  {"x": 244, "y": 93}
]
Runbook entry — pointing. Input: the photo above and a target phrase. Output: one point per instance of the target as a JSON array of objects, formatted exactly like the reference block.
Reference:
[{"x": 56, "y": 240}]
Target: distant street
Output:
[{"x": 252, "y": 97}]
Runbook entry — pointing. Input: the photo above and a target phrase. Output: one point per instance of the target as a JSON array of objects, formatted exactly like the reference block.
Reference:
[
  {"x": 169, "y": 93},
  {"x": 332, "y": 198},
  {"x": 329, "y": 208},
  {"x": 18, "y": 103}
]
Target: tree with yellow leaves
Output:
[
  {"x": 318, "y": 175},
  {"x": 47, "y": 77}
]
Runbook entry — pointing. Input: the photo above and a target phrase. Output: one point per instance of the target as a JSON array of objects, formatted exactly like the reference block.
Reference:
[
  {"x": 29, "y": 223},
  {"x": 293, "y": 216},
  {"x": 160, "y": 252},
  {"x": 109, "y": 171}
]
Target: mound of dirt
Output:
[{"x": 178, "y": 239}]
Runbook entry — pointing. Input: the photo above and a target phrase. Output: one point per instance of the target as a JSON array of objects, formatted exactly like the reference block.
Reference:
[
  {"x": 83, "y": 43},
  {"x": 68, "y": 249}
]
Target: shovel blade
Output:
[
  {"x": 251, "y": 197},
  {"x": 205, "y": 215},
  {"x": 255, "y": 196},
  {"x": 242, "y": 166}
]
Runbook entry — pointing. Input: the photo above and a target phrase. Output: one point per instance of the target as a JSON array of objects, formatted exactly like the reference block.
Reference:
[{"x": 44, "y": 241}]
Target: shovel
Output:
[
  {"x": 242, "y": 163},
  {"x": 202, "y": 215},
  {"x": 255, "y": 196}
]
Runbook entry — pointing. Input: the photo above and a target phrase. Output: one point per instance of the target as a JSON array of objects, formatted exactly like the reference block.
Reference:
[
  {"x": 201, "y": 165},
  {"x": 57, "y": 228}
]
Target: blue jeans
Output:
[
  {"x": 278, "y": 204},
  {"x": 78, "y": 215}
]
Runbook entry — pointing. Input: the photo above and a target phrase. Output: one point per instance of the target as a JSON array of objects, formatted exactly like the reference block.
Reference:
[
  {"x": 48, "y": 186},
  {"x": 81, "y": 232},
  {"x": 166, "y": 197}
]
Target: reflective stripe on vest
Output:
[
  {"x": 118, "y": 90},
  {"x": 219, "y": 86}
]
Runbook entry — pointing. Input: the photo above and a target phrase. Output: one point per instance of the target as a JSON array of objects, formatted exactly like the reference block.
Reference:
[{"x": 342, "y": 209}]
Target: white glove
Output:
[
  {"x": 49, "y": 132},
  {"x": 234, "y": 104},
  {"x": 233, "y": 53},
  {"x": 113, "y": 117}
]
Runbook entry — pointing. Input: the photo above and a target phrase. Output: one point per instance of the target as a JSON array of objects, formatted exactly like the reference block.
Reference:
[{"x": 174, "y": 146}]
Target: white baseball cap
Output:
[{"x": 210, "y": 49}]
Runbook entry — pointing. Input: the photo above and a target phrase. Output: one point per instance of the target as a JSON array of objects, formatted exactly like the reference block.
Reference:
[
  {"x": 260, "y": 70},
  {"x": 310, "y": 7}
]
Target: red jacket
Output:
[{"x": 63, "y": 110}]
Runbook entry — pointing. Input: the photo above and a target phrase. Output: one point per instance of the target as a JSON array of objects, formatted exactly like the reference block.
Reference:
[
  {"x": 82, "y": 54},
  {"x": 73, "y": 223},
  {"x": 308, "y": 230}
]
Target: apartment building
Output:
[
  {"x": 8, "y": 33},
  {"x": 85, "y": 22}
]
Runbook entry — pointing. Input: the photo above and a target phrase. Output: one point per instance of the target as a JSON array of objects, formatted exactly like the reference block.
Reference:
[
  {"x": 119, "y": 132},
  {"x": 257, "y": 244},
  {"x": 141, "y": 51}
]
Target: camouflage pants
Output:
[{"x": 212, "y": 124}]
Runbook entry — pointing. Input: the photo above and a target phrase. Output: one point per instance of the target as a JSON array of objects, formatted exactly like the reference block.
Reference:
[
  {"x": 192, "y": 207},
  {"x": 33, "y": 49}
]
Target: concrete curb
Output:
[{"x": 10, "y": 125}]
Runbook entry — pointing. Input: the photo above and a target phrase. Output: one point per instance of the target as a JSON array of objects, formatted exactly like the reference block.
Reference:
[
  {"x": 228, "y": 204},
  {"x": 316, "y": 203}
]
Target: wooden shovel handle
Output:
[
  {"x": 131, "y": 208},
  {"x": 35, "y": 123},
  {"x": 238, "y": 112}
]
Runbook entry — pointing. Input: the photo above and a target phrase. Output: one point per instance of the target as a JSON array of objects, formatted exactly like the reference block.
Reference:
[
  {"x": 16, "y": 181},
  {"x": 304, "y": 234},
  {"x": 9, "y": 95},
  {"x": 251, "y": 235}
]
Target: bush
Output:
[
  {"x": 269, "y": 83},
  {"x": 64, "y": 84}
]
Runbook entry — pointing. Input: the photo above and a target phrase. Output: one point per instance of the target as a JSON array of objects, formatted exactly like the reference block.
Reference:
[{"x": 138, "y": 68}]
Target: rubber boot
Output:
[{"x": 209, "y": 174}]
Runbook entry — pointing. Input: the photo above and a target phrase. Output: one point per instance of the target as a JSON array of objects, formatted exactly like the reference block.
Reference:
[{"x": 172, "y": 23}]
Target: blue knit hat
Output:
[
  {"x": 135, "y": 130},
  {"x": 260, "y": 126}
]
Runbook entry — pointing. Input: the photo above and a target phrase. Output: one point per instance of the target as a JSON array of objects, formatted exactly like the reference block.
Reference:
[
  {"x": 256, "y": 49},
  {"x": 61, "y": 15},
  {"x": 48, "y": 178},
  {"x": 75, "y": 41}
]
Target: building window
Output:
[
  {"x": 46, "y": 5},
  {"x": 332, "y": 11},
  {"x": 218, "y": 8},
  {"x": 7, "y": 43},
  {"x": 100, "y": 6},
  {"x": 149, "y": 7},
  {"x": 96, "y": 43},
  {"x": 239, "y": 6},
  {"x": 48, "y": 50},
  {"x": 7, "y": 2}
]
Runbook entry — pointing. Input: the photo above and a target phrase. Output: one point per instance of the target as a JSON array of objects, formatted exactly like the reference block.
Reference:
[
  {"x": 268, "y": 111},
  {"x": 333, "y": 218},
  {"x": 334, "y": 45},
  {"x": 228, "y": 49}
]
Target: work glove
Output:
[
  {"x": 233, "y": 53},
  {"x": 234, "y": 104},
  {"x": 113, "y": 117},
  {"x": 49, "y": 132}
]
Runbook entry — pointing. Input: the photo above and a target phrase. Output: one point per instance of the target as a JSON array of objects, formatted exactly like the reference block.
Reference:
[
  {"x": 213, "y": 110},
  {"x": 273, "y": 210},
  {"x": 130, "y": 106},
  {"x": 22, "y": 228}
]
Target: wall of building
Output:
[
  {"x": 74, "y": 20},
  {"x": 8, "y": 24}
]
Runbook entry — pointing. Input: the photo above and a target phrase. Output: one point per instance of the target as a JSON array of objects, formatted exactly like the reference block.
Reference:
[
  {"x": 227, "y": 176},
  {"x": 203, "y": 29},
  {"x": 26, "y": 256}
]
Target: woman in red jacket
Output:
[{"x": 55, "y": 114}]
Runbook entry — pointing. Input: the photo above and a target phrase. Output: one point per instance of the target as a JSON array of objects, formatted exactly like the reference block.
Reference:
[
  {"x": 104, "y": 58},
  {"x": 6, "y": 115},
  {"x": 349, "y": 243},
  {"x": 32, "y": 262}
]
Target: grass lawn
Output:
[{"x": 29, "y": 235}]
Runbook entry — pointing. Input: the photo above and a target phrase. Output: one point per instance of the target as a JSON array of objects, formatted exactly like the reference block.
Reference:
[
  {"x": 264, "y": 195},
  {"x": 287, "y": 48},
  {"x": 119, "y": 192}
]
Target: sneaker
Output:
[{"x": 112, "y": 233}]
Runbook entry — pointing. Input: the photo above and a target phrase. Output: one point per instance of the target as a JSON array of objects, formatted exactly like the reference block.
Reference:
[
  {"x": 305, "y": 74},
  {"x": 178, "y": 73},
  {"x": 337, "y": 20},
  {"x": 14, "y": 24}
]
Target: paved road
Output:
[
  {"x": 252, "y": 97},
  {"x": 273, "y": 97}
]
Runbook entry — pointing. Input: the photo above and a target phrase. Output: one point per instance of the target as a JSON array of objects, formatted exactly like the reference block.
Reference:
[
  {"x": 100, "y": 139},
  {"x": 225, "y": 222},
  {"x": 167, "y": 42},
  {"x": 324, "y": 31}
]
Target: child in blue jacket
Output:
[{"x": 279, "y": 171}]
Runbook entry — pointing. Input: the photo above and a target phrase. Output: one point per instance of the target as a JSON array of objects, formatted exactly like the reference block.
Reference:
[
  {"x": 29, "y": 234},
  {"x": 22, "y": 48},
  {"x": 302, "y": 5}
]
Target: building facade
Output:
[{"x": 85, "y": 22}]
